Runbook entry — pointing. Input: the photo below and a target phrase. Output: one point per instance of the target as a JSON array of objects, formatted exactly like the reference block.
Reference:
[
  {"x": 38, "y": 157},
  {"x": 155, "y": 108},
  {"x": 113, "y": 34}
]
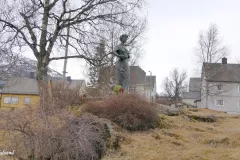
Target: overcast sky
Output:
[{"x": 173, "y": 31}]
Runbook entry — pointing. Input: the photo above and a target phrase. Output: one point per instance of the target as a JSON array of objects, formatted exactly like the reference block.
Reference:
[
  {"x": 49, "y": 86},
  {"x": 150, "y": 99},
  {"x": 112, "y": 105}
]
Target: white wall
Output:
[{"x": 230, "y": 95}]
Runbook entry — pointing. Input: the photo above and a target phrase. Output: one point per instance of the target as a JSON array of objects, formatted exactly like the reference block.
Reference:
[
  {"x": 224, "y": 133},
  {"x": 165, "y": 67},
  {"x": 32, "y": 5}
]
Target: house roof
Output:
[
  {"x": 195, "y": 84},
  {"x": 191, "y": 95},
  {"x": 70, "y": 84},
  {"x": 76, "y": 83},
  {"x": 219, "y": 72},
  {"x": 137, "y": 75},
  {"x": 151, "y": 80},
  {"x": 20, "y": 85},
  {"x": 25, "y": 85}
]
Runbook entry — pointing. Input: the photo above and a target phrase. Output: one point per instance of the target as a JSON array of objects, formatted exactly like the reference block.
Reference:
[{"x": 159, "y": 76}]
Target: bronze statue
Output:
[{"x": 122, "y": 66}]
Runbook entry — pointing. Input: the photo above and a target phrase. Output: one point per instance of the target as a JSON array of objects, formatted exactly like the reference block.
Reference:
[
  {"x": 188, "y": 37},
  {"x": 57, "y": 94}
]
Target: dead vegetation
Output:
[
  {"x": 210, "y": 118},
  {"x": 128, "y": 111},
  {"x": 52, "y": 131},
  {"x": 185, "y": 139},
  {"x": 57, "y": 135},
  {"x": 34, "y": 134},
  {"x": 222, "y": 142}
]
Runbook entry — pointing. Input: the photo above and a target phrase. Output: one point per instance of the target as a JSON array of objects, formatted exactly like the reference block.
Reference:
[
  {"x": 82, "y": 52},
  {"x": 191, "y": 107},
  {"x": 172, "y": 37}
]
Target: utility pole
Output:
[
  {"x": 150, "y": 86},
  {"x": 66, "y": 52}
]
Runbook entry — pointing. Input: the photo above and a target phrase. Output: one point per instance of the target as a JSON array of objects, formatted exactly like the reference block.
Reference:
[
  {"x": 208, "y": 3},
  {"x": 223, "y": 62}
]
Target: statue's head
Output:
[{"x": 123, "y": 38}]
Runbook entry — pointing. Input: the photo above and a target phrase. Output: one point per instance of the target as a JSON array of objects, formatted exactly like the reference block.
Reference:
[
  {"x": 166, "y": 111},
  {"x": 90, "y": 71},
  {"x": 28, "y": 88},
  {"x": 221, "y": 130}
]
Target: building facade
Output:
[
  {"x": 194, "y": 94},
  {"x": 140, "y": 83},
  {"x": 21, "y": 92},
  {"x": 221, "y": 87},
  {"x": 217, "y": 89}
]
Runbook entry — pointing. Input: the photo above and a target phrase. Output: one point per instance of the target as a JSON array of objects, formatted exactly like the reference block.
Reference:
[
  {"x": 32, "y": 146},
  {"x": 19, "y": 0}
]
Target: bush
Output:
[
  {"x": 56, "y": 136},
  {"x": 203, "y": 118},
  {"x": 60, "y": 97},
  {"x": 65, "y": 96},
  {"x": 83, "y": 138},
  {"x": 129, "y": 111}
]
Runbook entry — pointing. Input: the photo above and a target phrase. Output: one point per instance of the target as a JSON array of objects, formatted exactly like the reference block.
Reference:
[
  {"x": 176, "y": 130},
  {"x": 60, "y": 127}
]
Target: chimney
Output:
[
  {"x": 69, "y": 78},
  {"x": 32, "y": 75},
  {"x": 224, "y": 60}
]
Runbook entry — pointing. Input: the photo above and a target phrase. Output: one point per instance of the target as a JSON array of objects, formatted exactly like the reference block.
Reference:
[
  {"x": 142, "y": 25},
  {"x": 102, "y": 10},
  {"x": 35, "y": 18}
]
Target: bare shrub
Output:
[
  {"x": 59, "y": 97},
  {"x": 58, "y": 135},
  {"x": 65, "y": 96},
  {"x": 203, "y": 118},
  {"x": 129, "y": 111},
  {"x": 84, "y": 138},
  {"x": 31, "y": 133}
]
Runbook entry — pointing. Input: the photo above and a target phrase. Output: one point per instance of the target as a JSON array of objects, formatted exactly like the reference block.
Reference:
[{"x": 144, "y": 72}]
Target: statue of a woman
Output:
[{"x": 122, "y": 67}]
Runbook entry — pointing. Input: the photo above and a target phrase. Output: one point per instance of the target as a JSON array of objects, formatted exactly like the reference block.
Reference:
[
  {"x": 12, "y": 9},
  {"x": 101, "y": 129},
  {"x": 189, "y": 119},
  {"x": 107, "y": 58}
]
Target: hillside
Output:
[
  {"x": 22, "y": 68},
  {"x": 194, "y": 134},
  {"x": 184, "y": 138}
]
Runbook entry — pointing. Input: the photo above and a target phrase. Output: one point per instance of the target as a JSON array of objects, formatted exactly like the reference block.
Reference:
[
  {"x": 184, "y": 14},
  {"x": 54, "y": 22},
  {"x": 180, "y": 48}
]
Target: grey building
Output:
[
  {"x": 195, "y": 84},
  {"x": 140, "y": 83},
  {"x": 221, "y": 86},
  {"x": 150, "y": 88},
  {"x": 194, "y": 94}
]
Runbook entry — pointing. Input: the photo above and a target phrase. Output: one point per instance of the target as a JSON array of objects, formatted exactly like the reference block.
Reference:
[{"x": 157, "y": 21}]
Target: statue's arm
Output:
[{"x": 121, "y": 56}]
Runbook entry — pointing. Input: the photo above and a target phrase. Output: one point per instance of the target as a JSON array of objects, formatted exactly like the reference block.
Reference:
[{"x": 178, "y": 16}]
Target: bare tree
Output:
[
  {"x": 7, "y": 62},
  {"x": 175, "y": 84},
  {"x": 41, "y": 26},
  {"x": 209, "y": 48},
  {"x": 94, "y": 70},
  {"x": 209, "y": 52},
  {"x": 106, "y": 45}
]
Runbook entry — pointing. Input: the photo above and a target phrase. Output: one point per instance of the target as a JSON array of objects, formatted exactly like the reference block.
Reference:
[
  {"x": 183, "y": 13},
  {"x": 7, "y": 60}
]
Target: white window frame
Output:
[
  {"x": 10, "y": 100},
  {"x": 5, "y": 100},
  {"x": 27, "y": 102},
  {"x": 221, "y": 86},
  {"x": 15, "y": 98},
  {"x": 219, "y": 100}
]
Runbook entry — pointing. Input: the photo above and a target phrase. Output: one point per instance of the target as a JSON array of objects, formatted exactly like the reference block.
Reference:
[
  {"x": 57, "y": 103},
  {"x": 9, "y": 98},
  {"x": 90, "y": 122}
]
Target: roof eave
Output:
[{"x": 223, "y": 81}]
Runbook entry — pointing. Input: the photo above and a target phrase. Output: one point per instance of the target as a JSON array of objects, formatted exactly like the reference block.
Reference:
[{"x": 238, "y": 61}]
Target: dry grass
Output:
[{"x": 185, "y": 139}]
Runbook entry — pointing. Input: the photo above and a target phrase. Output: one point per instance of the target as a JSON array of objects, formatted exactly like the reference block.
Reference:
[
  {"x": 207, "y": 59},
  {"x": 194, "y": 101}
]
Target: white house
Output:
[{"x": 221, "y": 86}]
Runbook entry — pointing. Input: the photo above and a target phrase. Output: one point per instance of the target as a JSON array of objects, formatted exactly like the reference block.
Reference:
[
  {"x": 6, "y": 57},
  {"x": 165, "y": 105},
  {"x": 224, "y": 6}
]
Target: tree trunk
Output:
[
  {"x": 207, "y": 94},
  {"x": 42, "y": 78},
  {"x": 42, "y": 70}
]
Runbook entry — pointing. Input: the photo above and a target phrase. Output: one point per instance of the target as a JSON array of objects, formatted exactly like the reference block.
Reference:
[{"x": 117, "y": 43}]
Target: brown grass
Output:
[{"x": 185, "y": 140}]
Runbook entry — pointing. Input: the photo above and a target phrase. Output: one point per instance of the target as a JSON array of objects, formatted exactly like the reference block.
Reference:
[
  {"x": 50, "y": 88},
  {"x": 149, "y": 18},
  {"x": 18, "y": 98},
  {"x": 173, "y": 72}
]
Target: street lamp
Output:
[{"x": 150, "y": 87}]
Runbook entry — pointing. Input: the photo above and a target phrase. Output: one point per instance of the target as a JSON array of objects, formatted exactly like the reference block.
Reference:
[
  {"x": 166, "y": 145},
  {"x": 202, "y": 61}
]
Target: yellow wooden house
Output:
[{"x": 20, "y": 92}]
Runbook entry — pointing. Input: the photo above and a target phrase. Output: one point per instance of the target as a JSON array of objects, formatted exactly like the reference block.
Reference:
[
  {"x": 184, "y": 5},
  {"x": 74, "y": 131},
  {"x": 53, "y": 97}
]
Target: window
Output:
[
  {"x": 14, "y": 100},
  {"x": 239, "y": 104},
  {"x": 238, "y": 88},
  {"x": 7, "y": 100},
  {"x": 27, "y": 100},
  {"x": 220, "y": 87},
  {"x": 219, "y": 103},
  {"x": 10, "y": 100}
]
